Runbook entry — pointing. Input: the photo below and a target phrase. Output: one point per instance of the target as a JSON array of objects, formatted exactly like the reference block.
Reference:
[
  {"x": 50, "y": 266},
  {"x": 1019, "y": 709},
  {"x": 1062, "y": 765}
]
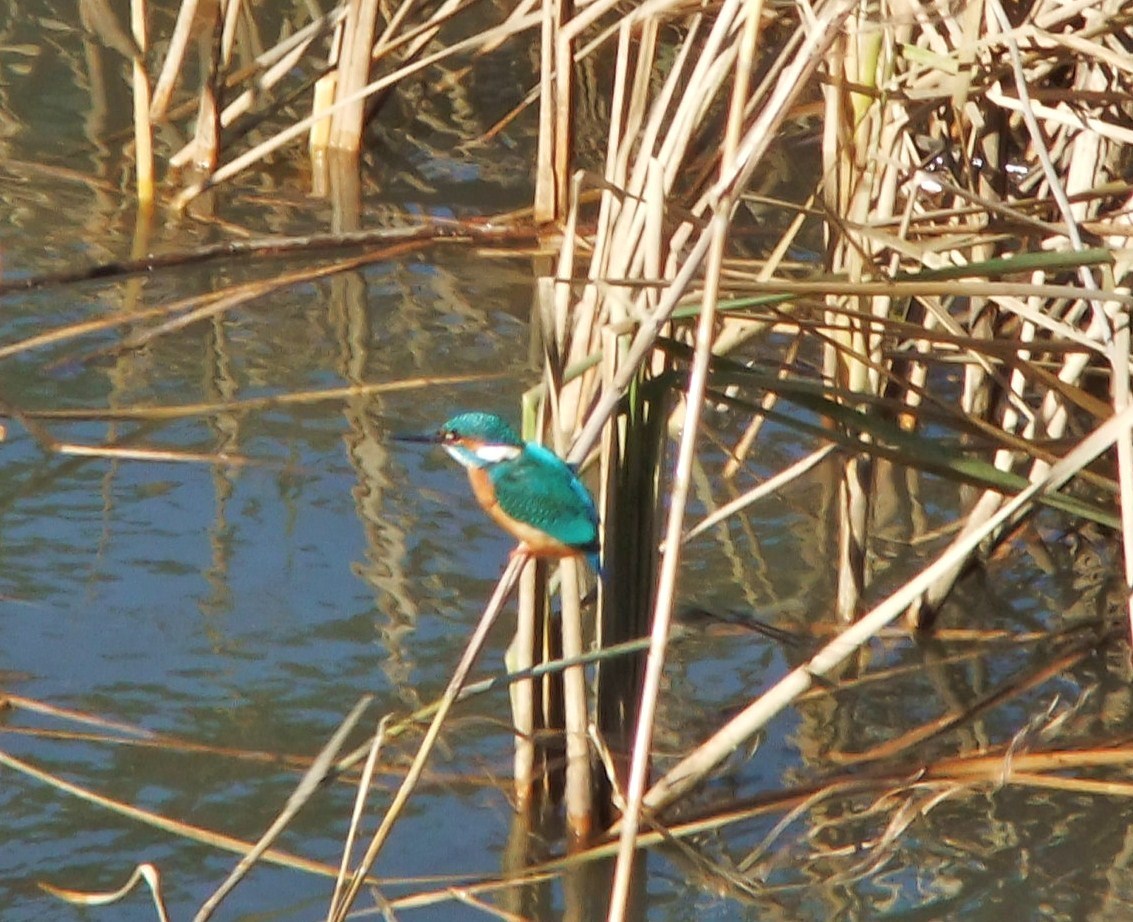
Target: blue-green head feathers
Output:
[
  {"x": 486, "y": 428},
  {"x": 480, "y": 439}
]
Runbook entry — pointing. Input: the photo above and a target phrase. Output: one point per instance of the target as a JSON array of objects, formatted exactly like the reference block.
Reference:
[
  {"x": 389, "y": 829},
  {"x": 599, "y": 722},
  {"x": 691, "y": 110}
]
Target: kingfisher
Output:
[{"x": 528, "y": 490}]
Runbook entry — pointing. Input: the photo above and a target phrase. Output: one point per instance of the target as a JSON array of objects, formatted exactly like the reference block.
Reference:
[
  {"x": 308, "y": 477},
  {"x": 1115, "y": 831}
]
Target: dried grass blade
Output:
[
  {"x": 307, "y": 786},
  {"x": 81, "y": 717},
  {"x": 1073, "y": 785},
  {"x": 147, "y": 872},
  {"x": 359, "y": 802},
  {"x": 767, "y": 488},
  {"x": 250, "y": 404},
  {"x": 152, "y": 454},
  {"x": 157, "y": 821},
  {"x": 463, "y": 895}
]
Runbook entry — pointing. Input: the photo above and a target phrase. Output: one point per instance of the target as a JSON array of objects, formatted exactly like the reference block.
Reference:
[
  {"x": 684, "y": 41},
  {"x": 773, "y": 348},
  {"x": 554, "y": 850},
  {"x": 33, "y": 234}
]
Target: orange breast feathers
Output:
[{"x": 535, "y": 540}]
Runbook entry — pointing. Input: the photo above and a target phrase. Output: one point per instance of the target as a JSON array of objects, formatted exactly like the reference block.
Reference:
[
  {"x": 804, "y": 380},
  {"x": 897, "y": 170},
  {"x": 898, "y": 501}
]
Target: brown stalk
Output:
[
  {"x": 143, "y": 130},
  {"x": 578, "y": 796},
  {"x": 178, "y": 43},
  {"x": 358, "y": 30}
]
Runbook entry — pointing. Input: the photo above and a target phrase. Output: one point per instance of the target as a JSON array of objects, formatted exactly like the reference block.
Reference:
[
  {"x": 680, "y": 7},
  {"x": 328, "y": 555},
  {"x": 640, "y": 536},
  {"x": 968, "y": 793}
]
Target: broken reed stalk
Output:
[
  {"x": 206, "y": 129},
  {"x": 563, "y": 101},
  {"x": 353, "y": 72},
  {"x": 549, "y": 202}
]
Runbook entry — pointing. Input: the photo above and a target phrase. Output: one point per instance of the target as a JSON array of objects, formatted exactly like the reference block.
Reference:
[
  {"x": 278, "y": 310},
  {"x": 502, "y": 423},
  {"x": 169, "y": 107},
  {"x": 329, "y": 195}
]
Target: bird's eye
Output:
[{"x": 448, "y": 436}]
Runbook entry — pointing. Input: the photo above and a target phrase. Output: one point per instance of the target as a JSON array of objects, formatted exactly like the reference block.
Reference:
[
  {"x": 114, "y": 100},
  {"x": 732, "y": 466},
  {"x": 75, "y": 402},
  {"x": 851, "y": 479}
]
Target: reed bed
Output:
[{"x": 944, "y": 293}]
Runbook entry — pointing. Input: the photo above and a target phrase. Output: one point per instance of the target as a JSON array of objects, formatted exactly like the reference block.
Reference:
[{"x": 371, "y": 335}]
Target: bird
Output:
[{"x": 528, "y": 490}]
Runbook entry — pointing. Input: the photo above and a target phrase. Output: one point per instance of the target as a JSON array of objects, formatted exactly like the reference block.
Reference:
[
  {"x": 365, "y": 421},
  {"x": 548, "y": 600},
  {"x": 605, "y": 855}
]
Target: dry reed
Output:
[{"x": 974, "y": 211}]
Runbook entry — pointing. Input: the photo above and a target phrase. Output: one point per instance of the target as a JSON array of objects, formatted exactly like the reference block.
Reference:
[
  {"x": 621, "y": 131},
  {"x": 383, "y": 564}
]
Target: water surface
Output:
[{"x": 248, "y": 607}]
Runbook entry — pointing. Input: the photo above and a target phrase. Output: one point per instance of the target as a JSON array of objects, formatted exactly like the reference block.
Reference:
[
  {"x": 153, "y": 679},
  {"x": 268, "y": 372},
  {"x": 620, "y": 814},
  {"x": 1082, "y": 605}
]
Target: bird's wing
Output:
[{"x": 538, "y": 488}]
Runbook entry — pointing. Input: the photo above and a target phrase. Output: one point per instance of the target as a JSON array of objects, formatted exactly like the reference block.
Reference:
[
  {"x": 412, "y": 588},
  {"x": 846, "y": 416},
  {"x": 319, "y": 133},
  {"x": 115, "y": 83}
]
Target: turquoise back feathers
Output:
[{"x": 542, "y": 490}]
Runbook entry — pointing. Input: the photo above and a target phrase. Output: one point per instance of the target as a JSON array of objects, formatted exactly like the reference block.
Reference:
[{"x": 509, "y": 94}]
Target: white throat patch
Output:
[
  {"x": 459, "y": 454},
  {"x": 495, "y": 453},
  {"x": 482, "y": 455}
]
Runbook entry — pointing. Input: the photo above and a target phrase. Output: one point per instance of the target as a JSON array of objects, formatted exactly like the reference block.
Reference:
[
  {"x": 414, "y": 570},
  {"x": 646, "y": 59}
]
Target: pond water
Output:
[{"x": 236, "y": 612}]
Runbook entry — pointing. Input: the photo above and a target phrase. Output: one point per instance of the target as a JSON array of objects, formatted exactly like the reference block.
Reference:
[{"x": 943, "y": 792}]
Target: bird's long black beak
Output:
[{"x": 426, "y": 438}]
